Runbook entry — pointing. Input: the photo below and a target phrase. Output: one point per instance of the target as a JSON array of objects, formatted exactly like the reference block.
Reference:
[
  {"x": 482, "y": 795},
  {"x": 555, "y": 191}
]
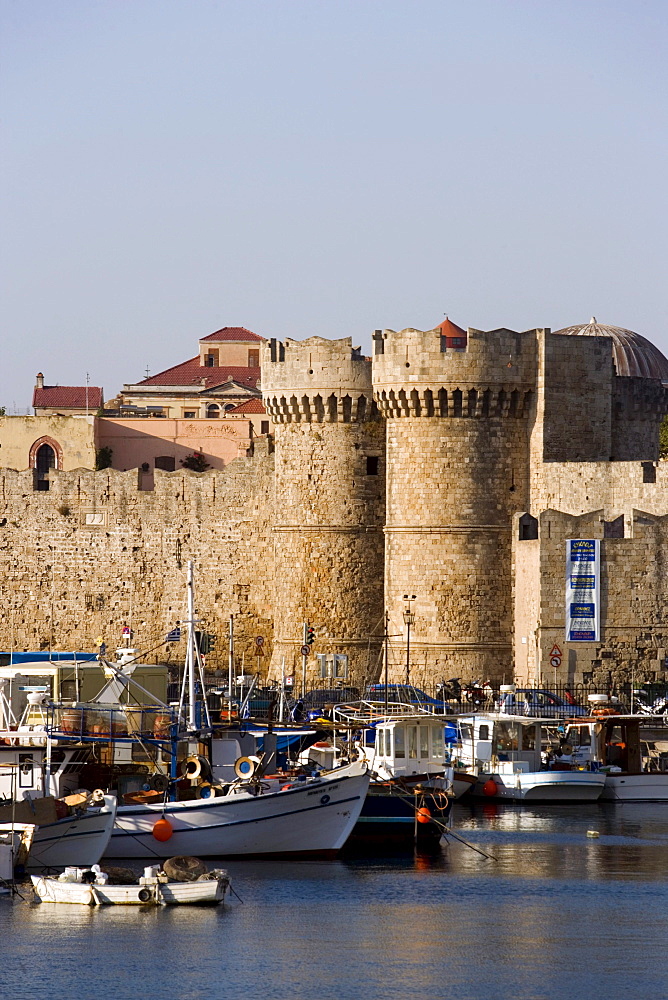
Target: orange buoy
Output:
[
  {"x": 162, "y": 829},
  {"x": 489, "y": 788},
  {"x": 423, "y": 815}
]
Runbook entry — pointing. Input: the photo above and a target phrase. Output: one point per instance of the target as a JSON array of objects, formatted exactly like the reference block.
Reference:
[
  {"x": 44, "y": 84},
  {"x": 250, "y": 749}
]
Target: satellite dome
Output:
[{"x": 631, "y": 353}]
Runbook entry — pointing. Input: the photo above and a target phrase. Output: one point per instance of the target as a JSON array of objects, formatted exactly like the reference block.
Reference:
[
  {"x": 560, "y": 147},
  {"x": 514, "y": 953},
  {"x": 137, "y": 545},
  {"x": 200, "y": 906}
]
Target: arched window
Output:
[
  {"x": 45, "y": 460},
  {"x": 45, "y": 454},
  {"x": 213, "y": 411}
]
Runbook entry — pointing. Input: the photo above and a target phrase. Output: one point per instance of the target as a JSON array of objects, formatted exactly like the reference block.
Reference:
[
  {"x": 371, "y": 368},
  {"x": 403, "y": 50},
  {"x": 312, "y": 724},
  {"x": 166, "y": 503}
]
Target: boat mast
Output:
[{"x": 190, "y": 658}]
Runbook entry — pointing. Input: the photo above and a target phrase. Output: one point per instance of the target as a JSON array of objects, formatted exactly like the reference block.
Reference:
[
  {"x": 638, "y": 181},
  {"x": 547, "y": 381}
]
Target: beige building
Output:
[{"x": 224, "y": 373}]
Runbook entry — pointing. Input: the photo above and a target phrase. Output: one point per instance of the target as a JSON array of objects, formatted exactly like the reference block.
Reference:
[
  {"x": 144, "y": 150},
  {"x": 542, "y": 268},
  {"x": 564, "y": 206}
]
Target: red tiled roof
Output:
[
  {"x": 249, "y": 406},
  {"x": 450, "y": 329},
  {"x": 68, "y": 396},
  {"x": 190, "y": 373},
  {"x": 234, "y": 333}
]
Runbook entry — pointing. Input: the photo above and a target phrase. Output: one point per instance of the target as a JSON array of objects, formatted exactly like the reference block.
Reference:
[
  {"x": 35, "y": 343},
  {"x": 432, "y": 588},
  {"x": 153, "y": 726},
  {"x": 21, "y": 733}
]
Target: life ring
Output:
[
  {"x": 195, "y": 767},
  {"x": 323, "y": 744},
  {"x": 227, "y": 716},
  {"x": 604, "y": 711},
  {"x": 144, "y": 895},
  {"x": 204, "y": 790}
]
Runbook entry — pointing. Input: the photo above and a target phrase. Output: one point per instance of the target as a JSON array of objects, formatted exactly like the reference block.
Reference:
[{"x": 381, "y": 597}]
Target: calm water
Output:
[{"x": 556, "y": 915}]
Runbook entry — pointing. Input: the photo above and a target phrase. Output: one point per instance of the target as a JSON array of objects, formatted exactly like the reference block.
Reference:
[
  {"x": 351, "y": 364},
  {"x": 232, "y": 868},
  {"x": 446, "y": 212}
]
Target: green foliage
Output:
[
  {"x": 663, "y": 438},
  {"x": 103, "y": 458},
  {"x": 3, "y": 411},
  {"x": 195, "y": 462}
]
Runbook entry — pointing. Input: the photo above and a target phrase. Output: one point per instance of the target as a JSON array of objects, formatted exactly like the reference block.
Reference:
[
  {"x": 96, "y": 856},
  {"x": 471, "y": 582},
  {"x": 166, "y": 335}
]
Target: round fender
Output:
[
  {"x": 184, "y": 868},
  {"x": 144, "y": 895}
]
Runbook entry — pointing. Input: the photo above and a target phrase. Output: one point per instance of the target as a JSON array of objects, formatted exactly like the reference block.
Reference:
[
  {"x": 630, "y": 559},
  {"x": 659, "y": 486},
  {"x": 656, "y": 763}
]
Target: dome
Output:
[{"x": 631, "y": 353}]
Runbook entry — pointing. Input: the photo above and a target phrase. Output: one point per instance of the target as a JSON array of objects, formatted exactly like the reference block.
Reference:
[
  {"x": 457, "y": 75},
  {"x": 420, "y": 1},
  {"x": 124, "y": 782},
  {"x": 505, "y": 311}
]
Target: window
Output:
[
  {"x": 264, "y": 427},
  {"x": 254, "y": 359},
  {"x": 483, "y": 733},
  {"x": 190, "y": 414},
  {"x": 437, "y": 742},
  {"x": 457, "y": 341},
  {"x": 648, "y": 472},
  {"x": 399, "y": 748},
  {"x": 412, "y": 741},
  {"x": 528, "y": 528},
  {"x": 372, "y": 465},
  {"x": 424, "y": 741},
  {"x": 211, "y": 359},
  {"x": 213, "y": 411},
  {"x": 388, "y": 743},
  {"x": 165, "y": 462}
]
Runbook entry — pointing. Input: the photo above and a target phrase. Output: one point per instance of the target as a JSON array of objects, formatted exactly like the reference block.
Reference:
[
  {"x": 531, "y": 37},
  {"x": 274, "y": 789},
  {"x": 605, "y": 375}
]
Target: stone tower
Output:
[
  {"x": 329, "y": 506},
  {"x": 457, "y": 469}
]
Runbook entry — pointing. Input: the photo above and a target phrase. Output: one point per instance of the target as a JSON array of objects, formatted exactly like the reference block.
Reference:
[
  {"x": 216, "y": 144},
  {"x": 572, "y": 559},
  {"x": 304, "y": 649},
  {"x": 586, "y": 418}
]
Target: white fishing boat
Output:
[
  {"x": 622, "y": 747},
  {"x": 254, "y": 817},
  {"x": 505, "y": 753},
  {"x": 154, "y": 888}
]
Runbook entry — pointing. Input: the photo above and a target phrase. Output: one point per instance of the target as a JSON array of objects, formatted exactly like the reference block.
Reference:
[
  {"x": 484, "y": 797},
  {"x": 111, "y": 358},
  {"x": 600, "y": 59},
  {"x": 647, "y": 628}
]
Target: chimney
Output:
[{"x": 40, "y": 381}]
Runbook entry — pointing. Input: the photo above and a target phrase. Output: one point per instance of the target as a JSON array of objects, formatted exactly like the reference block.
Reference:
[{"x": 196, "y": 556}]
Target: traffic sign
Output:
[
  {"x": 555, "y": 651},
  {"x": 555, "y": 661},
  {"x": 306, "y": 650},
  {"x": 259, "y": 640}
]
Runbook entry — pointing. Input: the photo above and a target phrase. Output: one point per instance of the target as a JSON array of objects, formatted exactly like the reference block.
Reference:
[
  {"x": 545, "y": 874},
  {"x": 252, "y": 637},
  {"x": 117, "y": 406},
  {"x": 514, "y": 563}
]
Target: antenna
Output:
[{"x": 87, "y": 383}]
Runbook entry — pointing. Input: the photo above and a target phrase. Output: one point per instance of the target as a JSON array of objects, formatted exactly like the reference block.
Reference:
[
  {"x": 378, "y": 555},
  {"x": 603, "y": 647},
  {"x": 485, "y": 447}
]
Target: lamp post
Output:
[{"x": 409, "y": 619}]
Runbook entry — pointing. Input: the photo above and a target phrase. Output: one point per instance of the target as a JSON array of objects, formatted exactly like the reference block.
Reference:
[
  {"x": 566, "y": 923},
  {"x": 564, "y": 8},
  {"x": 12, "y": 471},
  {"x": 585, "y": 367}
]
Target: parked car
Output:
[
  {"x": 538, "y": 704},
  {"x": 314, "y": 703},
  {"x": 406, "y": 694}
]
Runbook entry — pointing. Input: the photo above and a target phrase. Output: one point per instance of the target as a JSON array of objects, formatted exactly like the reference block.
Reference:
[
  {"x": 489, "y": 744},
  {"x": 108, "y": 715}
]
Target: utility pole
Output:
[{"x": 409, "y": 619}]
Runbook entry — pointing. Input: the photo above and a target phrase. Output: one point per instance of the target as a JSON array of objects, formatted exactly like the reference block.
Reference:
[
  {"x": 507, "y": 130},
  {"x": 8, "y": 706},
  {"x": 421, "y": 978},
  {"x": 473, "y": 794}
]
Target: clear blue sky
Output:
[{"x": 301, "y": 167}]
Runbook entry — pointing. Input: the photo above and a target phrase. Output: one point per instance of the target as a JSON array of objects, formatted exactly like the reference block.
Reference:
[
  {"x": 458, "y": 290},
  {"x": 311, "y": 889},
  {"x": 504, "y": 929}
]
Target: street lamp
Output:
[{"x": 409, "y": 619}]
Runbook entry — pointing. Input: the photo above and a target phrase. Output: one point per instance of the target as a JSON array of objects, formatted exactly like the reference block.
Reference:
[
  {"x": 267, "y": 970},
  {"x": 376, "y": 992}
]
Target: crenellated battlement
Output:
[
  {"x": 481, "y": 401},
  {"x": 496, "y": 361},
  {"x": 317, "y": 381}
]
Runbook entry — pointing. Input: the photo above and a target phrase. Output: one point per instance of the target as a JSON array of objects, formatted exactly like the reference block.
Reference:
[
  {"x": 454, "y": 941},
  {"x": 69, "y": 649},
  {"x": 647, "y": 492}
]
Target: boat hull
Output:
[
  {"x": 388, "y": 820},
  {"x": 80, "y": 839},
  {"x": 636, "y": 788},
  {"x": 156, "y": 893},
  {"x": 544, "y": 786},
  {"x": 313, "y": 817}
]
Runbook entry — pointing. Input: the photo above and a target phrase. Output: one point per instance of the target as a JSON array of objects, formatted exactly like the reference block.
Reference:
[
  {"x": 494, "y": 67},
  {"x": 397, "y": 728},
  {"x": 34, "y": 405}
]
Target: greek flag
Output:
[{"x": 174, "y": 635}]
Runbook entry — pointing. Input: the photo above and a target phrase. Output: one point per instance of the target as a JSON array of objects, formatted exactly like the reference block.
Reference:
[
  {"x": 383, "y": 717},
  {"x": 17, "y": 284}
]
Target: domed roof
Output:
[{"x": 631, "y": 353}]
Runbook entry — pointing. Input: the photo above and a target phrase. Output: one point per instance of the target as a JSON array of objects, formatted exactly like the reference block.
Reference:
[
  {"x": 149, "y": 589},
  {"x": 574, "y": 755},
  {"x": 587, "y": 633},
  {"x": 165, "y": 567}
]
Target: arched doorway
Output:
[
  {"x": 213, "y": 411},
  {"x": 45, "y": 459}
]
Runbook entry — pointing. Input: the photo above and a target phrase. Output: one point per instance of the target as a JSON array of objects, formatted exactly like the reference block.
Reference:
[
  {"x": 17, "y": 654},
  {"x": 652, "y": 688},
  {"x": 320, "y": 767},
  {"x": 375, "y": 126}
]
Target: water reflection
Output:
[{"x": 556, "y": 914}]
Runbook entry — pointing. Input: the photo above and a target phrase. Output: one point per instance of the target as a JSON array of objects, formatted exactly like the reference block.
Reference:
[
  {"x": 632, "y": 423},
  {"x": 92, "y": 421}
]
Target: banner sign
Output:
[{"x": 583, "y": 574}]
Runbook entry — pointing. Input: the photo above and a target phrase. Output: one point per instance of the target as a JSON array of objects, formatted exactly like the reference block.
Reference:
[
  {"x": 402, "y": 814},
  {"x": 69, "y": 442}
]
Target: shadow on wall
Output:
[{"x": 177, "y": 445}]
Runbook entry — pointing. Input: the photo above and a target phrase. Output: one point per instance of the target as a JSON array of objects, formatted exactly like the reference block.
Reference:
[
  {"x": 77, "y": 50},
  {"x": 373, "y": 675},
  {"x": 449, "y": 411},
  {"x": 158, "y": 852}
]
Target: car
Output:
[
  {"x": 406, "y": 694},
  {"x": 538, "y": 704},
  {"x": 315, "y": 702}
]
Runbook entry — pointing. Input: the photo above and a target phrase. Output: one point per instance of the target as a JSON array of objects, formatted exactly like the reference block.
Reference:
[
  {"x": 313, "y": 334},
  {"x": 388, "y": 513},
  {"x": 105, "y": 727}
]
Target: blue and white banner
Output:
[{"x": 583, "y": 574}]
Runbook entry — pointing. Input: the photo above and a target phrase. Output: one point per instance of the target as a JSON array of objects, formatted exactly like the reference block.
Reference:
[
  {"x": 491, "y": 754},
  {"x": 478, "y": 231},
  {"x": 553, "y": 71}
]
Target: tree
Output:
[
  {"x": 195, "y": 462},
  {"x": 103, "y": 458},
  {"x": 663, "y": 438}
]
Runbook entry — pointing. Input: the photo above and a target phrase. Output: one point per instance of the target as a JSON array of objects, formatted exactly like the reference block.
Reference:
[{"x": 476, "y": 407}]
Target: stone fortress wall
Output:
[{"x": 453, "y": 475}]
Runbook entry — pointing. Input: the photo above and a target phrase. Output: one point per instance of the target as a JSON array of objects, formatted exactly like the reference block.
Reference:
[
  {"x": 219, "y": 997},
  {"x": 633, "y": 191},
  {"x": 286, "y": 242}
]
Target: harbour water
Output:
[{"x": 556, "y": 914}]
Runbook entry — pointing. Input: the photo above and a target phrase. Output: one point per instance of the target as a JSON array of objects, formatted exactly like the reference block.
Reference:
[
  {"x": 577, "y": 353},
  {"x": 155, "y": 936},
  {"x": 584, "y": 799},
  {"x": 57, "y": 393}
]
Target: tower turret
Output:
[
  {"x": 457, "y": 469},
  {"x": 329, "y": 507}
]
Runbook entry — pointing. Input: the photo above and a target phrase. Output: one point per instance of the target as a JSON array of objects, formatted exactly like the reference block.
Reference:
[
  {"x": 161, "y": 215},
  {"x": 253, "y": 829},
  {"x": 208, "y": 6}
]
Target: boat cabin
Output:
[
  {"x": 611, "y": 741},
  {"x": 509, "y": 743},
  {"x": 408, "y": 747}
]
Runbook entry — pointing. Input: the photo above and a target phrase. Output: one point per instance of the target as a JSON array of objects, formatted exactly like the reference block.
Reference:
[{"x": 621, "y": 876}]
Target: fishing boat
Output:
[
  {"x": 93, "y": 887},
  {"x": 67, "y": 828},
  {"x": 505, "y": 753},
  {"x": 623, "y": 747}
]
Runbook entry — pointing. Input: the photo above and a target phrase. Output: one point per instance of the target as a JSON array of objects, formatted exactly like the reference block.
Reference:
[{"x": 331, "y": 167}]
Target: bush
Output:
[
  {"x": 195, "y": 462},
  {"x": 103, "y": 458}
]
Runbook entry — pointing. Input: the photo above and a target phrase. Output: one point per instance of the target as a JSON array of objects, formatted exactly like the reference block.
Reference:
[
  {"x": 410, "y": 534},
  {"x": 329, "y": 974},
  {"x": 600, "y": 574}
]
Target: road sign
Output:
[
  {"x": 555, "y": 661},
  {"x": 555, "y": 651},
  {"x": 259, "y": 640},
  {"x": 306, "y": 650}
]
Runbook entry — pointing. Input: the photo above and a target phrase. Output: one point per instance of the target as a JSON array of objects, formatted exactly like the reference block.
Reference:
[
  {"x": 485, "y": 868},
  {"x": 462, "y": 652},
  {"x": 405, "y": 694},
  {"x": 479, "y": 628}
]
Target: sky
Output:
[{"x": 300, "y": 168}]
